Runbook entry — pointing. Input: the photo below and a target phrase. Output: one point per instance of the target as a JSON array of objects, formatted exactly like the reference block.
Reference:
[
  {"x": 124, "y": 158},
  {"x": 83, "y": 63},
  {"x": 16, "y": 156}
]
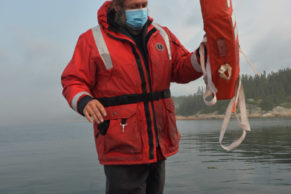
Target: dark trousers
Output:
[{"x": 135, "y": 179}]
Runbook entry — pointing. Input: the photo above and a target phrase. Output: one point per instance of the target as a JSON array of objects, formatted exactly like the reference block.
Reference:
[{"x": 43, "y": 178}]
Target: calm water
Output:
[{"x": 61, "y": 159}]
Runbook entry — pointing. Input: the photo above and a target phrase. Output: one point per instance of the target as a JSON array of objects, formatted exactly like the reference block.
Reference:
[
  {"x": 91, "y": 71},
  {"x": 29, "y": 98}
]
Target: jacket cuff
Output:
[{"x": 82, "y": 103}]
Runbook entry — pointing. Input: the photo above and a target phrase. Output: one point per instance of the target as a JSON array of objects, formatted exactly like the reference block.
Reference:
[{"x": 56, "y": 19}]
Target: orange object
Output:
[
  {"x": 222, "y": 45},
  {"x": 234, "y": 107}
]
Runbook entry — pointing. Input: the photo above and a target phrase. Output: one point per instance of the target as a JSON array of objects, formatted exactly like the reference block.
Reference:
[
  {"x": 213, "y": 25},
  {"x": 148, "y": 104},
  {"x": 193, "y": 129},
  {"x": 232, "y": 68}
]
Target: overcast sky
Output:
[{"x": 38, "y": 39}]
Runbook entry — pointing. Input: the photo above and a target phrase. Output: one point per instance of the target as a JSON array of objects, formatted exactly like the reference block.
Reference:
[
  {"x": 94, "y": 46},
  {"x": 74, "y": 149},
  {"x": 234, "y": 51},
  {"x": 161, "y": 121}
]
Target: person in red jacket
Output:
[{"x": 119, "y": 79}]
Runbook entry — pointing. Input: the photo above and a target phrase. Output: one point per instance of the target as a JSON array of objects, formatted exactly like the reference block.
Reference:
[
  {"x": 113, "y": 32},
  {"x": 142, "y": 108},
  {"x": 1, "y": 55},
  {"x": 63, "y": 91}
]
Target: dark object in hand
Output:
[{"x": 103, "y": 127}]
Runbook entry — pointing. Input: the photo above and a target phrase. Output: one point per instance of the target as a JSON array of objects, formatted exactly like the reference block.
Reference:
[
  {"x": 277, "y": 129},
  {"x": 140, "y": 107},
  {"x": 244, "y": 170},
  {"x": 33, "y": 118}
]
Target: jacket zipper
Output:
[
  {"x": 146, "y": 103},
  {"x": 145, "y": 41}
]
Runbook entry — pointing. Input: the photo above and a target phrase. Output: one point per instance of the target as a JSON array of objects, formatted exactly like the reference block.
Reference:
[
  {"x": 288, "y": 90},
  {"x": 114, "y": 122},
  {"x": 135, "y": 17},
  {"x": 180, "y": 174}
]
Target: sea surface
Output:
[{"x": 61, "y": 159}]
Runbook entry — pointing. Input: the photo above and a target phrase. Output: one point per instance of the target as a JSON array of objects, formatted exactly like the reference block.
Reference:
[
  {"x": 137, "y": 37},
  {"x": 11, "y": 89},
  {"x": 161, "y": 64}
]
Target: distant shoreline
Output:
[{"x": 277, "y": 112}]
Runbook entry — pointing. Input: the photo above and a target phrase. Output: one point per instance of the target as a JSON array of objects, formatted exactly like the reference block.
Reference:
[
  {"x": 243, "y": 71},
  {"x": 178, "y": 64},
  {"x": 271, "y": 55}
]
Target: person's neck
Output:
[{"x": 134, "y": 32}]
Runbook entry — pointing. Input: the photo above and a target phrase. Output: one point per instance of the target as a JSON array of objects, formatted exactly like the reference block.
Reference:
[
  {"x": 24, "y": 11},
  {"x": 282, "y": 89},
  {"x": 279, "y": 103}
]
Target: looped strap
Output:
[
  {"x": 243, "y": 121},
  {"x": 206, "y": 69}
]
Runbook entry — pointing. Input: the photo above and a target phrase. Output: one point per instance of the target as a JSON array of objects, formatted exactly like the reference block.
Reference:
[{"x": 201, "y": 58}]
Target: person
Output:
[{"x": 119, "y": 79}]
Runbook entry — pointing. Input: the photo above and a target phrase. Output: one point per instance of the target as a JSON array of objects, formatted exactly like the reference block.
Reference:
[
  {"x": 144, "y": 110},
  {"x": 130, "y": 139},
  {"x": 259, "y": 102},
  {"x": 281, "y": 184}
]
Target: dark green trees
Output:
[{"x": 267, "y": 91}]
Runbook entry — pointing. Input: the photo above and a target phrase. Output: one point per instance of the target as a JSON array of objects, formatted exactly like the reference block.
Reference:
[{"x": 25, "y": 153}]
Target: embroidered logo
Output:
[{"x": 160, "y": 47}]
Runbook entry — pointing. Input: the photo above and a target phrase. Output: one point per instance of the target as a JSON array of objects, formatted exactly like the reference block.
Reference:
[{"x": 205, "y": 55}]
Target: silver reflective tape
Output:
[
  {"x": 236, "y": 33},
  {"x": 102, "y": 47},
  {"x": 228, "y": 3},
  {"x": 76, "y": 99},
  {"x": 195, "y": 63},
  {"x": 233, "y": 19},
  {"x": 165, "y": 37}
]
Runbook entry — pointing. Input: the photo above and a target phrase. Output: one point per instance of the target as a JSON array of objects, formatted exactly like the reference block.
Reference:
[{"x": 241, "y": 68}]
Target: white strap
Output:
[
  {"x": 249, "y": 62},
  {"x": 228, "y": 3},
  {"x": 206, "y": 95},
  {"x": 206, "y": 69},
  {"x": 243, "y": 121},
  {"x": 196, "y": 65},
  {"x": 102, "y": 47},
  {"x": 165, "y": 37}
]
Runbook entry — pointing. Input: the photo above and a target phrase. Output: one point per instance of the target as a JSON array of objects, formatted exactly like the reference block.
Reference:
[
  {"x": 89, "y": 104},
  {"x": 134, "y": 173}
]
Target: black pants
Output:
[{"x": 135, "y": 179}]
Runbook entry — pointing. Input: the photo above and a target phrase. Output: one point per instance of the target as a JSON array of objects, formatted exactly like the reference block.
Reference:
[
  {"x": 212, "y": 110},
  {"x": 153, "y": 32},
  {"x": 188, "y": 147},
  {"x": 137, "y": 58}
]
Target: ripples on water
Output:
[
  {"x": 263, "y": 144},
  {"x": 61, "y": 159},
  {"x": 261, "y": 164}
]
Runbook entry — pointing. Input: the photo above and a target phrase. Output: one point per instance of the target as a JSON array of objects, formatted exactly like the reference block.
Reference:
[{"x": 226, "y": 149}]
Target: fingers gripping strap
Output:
[
  {"x": 243, "y": 122},
  {"x": 165, "y": 37},
  {"x": 102, "y": 47}
]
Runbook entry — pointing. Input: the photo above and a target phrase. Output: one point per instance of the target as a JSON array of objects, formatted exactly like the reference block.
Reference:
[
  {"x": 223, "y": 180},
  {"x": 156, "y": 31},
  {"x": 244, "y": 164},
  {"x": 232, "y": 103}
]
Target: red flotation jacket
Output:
[
  {"x": 221, "y": 72},
  {"x": 108, "y": 65}
]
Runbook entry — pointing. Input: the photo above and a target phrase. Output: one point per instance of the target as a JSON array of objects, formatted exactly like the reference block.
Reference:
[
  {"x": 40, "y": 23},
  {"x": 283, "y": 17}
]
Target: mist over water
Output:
[{"x": 61, "y": 158}]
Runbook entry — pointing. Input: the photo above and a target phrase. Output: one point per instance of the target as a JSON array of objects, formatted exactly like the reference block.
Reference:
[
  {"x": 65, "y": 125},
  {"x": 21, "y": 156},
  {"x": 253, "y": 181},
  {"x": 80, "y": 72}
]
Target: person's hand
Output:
[{"x": 94, "y": 109}]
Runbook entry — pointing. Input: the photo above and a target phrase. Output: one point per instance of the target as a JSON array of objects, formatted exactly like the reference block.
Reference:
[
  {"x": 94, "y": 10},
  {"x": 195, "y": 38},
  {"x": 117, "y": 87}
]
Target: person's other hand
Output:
[{"x": 94, "y": 109}]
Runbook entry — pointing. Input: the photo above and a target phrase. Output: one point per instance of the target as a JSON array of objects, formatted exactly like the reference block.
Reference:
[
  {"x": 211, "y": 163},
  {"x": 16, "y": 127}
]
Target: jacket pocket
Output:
[
  {"x": 123, "y": 134},
  {"x": 174, "y": 135}
]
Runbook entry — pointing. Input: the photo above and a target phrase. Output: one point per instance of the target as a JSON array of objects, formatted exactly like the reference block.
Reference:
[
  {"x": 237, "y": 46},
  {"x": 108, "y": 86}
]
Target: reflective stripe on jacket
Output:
[{"x": 108, "y": 65}]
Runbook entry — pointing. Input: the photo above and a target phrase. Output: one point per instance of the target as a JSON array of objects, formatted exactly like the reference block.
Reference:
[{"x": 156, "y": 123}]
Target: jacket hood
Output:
[{"x": 102, "y": 14}]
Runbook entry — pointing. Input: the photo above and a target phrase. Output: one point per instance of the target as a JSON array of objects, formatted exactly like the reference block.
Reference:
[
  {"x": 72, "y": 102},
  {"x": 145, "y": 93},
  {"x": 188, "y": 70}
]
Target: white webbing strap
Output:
[
  {"x": 102, "y": 47},
  {"x": 195, "y": 64},
  {"x": 243, "y": 121},
  {"x": 228, "y": 3},
  {"x": 165, "y": 37},
  {"x": 206, "y": 69},
  {"x": 249, "y": 62}
]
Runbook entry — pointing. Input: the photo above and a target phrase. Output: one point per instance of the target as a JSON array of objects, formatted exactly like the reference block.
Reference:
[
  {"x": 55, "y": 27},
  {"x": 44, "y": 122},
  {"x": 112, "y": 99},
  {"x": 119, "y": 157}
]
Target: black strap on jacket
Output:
[{"x": 134, "y": 98}]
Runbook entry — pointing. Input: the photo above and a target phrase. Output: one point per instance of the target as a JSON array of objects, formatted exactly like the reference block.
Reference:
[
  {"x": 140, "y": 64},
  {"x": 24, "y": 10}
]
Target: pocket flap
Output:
[{"x": 121, "y": 112}]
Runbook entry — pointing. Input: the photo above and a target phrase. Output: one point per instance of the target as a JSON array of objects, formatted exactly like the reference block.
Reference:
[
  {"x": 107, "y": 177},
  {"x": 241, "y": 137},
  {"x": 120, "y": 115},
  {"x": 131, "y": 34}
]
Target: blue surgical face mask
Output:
[{"x": 136, "y": 18}]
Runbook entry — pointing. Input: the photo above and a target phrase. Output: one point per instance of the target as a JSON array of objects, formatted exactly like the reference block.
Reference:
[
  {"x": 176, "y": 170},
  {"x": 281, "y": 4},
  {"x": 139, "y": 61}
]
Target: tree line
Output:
[{"x": 265, "y": 92}]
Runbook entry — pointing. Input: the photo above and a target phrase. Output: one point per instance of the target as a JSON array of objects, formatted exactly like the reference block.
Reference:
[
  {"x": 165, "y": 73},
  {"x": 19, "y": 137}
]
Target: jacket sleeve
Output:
[
  {"x": 78, "y": 78},
  {"x": 185, "y": 65}
]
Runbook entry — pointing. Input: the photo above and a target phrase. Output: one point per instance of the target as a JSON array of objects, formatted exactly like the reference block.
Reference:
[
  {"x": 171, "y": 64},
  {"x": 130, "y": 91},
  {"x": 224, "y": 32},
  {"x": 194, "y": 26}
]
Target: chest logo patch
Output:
[{"x": 160, "y": 47}]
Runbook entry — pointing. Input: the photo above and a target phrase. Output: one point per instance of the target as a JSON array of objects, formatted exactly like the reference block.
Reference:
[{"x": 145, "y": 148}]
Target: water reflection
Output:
[
  {"x": 61, "y": 158},
  {"x": 262, "y": 164},
  {"x": 269, "y": 145}
]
